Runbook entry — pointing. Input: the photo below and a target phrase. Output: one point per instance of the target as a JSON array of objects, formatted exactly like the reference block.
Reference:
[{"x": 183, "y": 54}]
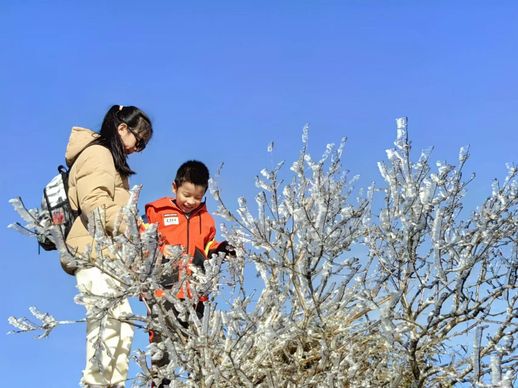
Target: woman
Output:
[{"x": 99, "y": 179}]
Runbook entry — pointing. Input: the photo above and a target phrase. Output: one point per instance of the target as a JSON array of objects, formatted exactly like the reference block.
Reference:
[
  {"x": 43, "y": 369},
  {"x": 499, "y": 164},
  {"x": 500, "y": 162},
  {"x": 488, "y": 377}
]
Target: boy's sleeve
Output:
[
  {"x": 150, "y": 213},
  {"x": 153, "y": 217},
  {"x": 214, "y": 247},
  {"x": 210, "y": 242}
]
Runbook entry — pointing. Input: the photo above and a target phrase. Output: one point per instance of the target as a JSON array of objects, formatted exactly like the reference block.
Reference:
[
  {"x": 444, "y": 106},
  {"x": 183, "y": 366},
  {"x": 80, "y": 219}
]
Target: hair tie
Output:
[{"x": 120, "y": 107}]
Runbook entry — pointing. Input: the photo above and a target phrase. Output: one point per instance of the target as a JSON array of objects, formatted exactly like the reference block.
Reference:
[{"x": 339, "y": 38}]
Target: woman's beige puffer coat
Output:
[{"x": 93, "y": 182}]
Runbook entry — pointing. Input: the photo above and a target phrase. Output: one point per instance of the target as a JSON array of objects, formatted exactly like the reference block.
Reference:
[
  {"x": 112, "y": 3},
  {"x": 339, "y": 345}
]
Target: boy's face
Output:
[{"x": 188, "y": 196}]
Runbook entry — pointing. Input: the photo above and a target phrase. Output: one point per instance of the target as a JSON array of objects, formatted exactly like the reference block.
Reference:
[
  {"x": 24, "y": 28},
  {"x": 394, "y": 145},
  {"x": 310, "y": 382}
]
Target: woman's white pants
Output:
[{"x": 115, "y": 336}]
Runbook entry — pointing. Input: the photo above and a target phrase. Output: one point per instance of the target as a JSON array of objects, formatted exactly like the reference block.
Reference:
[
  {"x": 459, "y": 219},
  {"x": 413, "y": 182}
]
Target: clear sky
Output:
[{"x": 220, "y": 80}]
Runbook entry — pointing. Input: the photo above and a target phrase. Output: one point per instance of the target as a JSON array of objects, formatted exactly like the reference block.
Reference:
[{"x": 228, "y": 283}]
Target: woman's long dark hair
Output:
[{"x": 109, "y": 137}]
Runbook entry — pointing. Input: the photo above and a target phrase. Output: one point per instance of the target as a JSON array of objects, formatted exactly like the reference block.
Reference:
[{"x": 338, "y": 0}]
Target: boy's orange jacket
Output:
[{"x": 194, "y": 232}]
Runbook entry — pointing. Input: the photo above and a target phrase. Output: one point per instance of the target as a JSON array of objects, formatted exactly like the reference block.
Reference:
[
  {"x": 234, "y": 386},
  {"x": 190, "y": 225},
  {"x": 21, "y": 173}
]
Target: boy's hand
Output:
[{"x": 225, "y": 248}]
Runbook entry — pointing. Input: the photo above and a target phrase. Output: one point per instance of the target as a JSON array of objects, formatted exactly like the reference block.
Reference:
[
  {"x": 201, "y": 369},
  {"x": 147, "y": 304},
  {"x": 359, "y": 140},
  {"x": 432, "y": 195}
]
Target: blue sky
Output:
[{"x": 220, "y": 80}]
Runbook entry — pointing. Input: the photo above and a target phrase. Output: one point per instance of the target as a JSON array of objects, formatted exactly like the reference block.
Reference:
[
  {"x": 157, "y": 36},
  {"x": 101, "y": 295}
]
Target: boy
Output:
[{"x": 184, "y": 221}]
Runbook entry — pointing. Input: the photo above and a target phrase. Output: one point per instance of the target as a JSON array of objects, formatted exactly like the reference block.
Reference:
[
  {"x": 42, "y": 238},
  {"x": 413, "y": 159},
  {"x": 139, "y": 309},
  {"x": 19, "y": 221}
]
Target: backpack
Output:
[{"x": 57, "y": 206}]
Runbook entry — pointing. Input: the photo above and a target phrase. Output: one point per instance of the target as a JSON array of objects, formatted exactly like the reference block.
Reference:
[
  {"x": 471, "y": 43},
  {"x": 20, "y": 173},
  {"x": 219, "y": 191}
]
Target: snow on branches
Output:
[{"x": 399, "y": 286}]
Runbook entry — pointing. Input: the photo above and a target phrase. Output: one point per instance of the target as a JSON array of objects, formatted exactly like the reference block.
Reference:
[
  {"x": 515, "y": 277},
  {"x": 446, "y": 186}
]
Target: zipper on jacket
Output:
[{"x": 188, "y": 217}]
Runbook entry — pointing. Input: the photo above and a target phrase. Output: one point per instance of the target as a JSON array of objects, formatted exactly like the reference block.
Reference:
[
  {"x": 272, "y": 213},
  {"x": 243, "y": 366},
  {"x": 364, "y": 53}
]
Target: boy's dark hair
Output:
[{"x": 192, "y": 171}]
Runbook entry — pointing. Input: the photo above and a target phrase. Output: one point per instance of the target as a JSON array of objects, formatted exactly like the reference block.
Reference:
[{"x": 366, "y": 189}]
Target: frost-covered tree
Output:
[{"x": 396, "y": 285}]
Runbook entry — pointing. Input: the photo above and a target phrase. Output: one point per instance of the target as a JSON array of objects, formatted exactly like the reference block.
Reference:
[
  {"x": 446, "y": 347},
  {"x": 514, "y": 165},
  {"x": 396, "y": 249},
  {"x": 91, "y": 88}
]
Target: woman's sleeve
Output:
[{"x": 95, "y": 182}]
